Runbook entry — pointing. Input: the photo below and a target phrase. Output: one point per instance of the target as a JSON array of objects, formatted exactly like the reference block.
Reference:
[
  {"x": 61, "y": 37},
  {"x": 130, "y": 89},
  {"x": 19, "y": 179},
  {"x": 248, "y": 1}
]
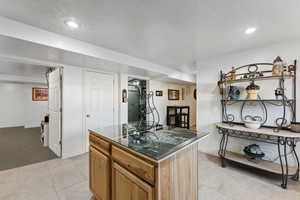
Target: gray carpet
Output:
[{"x": 20, "y": 147}]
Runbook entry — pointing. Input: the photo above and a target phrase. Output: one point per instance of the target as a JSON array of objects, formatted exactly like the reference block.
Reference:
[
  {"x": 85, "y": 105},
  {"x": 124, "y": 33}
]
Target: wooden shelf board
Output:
[
  {"x": 262, "y": 130},
  {"x": 258, "y": 79},
  {"x": 263, "y": 165}
]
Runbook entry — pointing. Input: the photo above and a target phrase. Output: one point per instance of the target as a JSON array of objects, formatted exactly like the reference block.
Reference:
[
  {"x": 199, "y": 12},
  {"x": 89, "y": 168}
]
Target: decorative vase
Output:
[
  {"x": 252, "y": 91},
  {"x": 234, "y": 93},
  {"x": 278, "y": 67},
  {"x": 233, "y": 74}
]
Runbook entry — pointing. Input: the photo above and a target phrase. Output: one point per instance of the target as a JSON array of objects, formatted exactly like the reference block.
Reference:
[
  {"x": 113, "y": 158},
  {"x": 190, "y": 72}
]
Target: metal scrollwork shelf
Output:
[{"x": 274, "y": 134}]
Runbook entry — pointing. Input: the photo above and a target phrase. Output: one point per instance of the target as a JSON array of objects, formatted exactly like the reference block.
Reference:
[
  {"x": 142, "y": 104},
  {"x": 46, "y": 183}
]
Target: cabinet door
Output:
[
  {"x": 99, "y": 174},
  {"x": 127, "y": 186}
]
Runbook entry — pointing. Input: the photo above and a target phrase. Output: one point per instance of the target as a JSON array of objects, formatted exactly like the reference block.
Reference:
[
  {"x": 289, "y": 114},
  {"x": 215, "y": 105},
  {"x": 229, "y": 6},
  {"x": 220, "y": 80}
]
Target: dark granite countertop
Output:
[{"x": 154, "y": 144}]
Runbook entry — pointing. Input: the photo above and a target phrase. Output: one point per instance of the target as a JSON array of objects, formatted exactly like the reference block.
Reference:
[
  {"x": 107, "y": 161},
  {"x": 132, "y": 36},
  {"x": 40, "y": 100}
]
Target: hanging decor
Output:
[
  {"x": 124, "y": 96},
  {"x": 173, "y": 94},
  {"x": 195, "y": 94},
  {"x": 159, "y": 93},
  {"x": 39, "y": 94}
]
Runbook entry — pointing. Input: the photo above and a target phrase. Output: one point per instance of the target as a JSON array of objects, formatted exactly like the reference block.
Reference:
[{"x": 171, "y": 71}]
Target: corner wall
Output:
[
  {"x": 162, "y": 102},
  {"x": 208, "y": 102}
]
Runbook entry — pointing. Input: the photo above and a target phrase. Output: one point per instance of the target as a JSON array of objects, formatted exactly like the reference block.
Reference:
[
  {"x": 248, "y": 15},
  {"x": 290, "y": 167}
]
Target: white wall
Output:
[
  {"x": 11, "y": 105},
  {"x": 161, "y": 103},
  {"x": 73, "y": 135},
  {"x": 208, "y": 103},
  {"x": 17, "y": 107},
  {"x": 123, "y": 107},
  {"x": 34, "y": 110}
]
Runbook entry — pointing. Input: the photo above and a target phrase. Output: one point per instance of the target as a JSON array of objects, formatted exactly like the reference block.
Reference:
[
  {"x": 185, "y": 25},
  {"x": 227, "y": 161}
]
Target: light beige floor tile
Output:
[
  {"x": 30, "y": 194},
  {"x": 76, "y": 192},
  {"x": 81, "y": 157},
  {"x": 7, "y": 189},
  {"x": 34, "y": 166},
  {"x": 10, "y": 175},
  {"x": 32, "y": 175},
  {"x": 206, "y": 193},
  {"x": 66, "y": 176},
  {"x": 83, "y": 167},
  {"x": 8, "y": 182},
  {"x": 237, "y": 183},
  {"x": 9, "y": 197},
  {"x": 40, "y": 184},
  {"x": 55, "y": 163}
]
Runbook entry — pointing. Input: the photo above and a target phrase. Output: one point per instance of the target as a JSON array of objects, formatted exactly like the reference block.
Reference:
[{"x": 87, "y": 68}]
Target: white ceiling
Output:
[
  {"x": 173, "y": 33},
  {"x": 21, "y": 69}
]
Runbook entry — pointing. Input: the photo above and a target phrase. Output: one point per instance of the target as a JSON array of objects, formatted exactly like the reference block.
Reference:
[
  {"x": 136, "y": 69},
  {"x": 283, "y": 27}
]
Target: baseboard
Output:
[
  {"x": 33, "y": 126},
  {"x": 11, "y": 124}
]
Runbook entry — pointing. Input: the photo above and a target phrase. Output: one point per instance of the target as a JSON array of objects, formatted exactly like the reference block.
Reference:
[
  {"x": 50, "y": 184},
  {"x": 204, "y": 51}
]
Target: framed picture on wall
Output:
[
  {"x": 159, "y": 93},
  {"x": 39, "y": 94},
  {"x": 173, "y": 94}
]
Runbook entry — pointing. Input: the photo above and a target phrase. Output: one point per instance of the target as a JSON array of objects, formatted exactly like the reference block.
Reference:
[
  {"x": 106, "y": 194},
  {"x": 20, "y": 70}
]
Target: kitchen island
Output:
[{"x": 126, "y": 164}]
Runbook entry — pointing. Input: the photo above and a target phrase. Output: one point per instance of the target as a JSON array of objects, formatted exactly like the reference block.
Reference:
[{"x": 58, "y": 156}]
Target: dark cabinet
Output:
[{"x": 178, "y": 116}]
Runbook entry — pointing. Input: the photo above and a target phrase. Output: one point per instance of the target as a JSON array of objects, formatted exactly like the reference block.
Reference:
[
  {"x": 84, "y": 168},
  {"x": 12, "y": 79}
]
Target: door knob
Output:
[{"x": 88, "y": 115}]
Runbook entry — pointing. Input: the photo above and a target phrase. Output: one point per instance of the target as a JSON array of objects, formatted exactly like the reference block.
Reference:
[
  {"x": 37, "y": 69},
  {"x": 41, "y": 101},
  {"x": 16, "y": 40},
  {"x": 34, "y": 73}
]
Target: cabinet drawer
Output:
[
  {"x": 126, "y": 185},
  {"x": 134, "y": 164},
  {"x": 99, "y": 144}
]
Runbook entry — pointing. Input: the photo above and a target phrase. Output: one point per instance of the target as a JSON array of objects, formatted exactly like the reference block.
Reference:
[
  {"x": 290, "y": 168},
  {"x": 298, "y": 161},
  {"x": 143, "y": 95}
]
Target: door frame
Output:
[
  {"x": 144, "y": 78},
  {"x": 115, "y": 102},
  {"x": 61, "y": 69}
]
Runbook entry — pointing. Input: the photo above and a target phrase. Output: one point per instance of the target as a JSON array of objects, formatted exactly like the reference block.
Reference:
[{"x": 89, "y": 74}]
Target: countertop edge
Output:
[
  {"x": 181, "y": 149},
  {"x": 124, "y": 147},
  {"x": 143, "y": 155}
]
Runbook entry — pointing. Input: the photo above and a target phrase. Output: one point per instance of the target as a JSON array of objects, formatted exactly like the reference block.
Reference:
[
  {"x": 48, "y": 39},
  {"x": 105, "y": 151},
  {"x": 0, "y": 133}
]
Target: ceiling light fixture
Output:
[
  {"x": 250, "y": 30},
  {"x": 72, "y": 24}
]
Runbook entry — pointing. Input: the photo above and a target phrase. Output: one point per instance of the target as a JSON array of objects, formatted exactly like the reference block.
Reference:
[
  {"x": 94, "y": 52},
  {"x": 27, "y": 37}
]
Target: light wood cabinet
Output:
[
  {"x": 99, "y": 174},
  {"x": 126, "y": 186}
]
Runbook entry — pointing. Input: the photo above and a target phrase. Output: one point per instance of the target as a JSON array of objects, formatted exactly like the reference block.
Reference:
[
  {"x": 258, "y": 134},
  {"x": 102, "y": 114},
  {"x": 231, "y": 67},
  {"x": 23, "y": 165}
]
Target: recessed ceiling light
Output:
[
  {"x": 250, "y": 30},
  {"x": 72, "y": 24}
]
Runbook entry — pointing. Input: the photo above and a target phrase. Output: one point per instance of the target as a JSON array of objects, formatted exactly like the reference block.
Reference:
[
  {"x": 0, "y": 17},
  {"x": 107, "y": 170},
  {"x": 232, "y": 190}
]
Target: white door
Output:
[
  {"x": 55, "y": 112},
  {"x": 99, "y": 101}
]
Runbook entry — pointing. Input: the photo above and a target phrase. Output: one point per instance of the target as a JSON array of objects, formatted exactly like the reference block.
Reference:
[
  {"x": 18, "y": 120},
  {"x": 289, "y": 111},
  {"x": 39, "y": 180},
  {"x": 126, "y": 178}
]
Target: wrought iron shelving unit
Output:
[{"x": 273, "y": 134}]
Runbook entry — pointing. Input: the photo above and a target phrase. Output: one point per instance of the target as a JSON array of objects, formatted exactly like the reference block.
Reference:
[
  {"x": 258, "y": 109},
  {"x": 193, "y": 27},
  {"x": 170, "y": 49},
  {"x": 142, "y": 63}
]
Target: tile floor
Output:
[{"x": 68, "y": 180}]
